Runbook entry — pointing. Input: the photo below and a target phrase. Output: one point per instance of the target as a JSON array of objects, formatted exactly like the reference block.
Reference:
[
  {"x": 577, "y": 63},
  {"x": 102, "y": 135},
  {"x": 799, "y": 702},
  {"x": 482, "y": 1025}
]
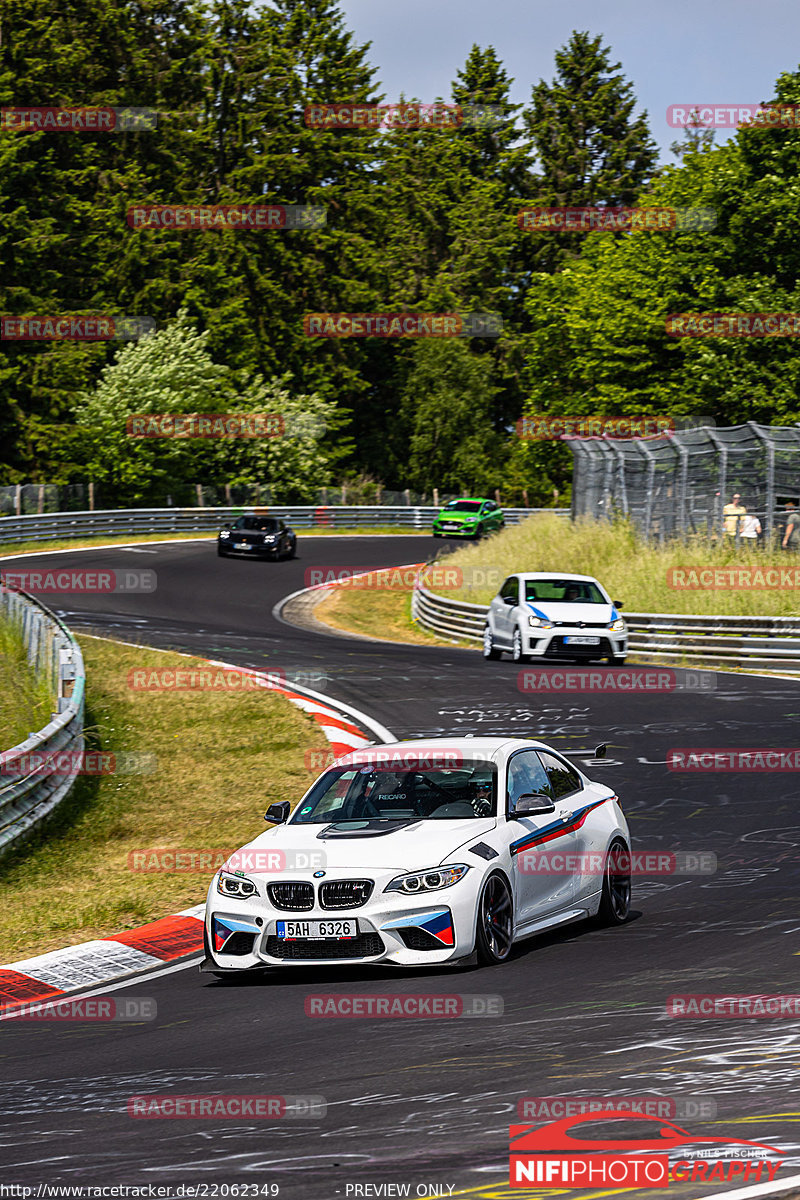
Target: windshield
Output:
[
  {"x": 264, "y": 524},
  {"x": 373, "y": 792},
  {"x": 566, "y": 591},
  {"x": 463, "y": 506}
]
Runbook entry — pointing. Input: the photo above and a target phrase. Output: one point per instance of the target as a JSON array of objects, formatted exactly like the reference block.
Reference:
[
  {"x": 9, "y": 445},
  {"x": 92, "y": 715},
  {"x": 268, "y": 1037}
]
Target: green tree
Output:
[
  {"x": 173, "y": 371},
  {"x": 589, "y": 146},
  {"x": 447, "y": 398}
]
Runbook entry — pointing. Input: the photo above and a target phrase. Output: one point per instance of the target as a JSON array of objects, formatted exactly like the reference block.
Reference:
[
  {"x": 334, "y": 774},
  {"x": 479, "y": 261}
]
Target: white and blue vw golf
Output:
[{"x": 564, "y": 617}]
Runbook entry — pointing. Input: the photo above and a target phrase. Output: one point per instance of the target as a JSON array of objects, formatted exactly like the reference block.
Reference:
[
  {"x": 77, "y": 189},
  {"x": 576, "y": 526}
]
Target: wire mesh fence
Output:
[{"x": 704, "y": 483}]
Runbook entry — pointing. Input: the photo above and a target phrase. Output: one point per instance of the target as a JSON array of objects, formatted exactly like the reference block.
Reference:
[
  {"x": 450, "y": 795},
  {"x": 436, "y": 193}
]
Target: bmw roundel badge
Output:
[{"x": 318, "y": 874}]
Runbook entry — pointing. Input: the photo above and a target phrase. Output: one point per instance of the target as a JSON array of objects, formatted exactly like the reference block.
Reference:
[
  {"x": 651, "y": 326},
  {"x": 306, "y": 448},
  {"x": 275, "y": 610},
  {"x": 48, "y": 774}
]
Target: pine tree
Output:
[{"x": 589, "y": 146}]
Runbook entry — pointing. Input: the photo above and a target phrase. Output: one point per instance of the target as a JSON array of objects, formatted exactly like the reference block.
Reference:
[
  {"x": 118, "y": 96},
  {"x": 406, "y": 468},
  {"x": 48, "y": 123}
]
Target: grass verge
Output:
[
  {"x": 378, "y": 613},
  {"x": 222, "y": 757},
  {"x": 26, "y": 701},
  {"x": 631, "y": 569}
]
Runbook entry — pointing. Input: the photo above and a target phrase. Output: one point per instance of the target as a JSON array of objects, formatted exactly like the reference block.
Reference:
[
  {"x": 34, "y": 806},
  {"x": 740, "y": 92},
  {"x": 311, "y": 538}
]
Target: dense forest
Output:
[{"x": 417, "y": 220}]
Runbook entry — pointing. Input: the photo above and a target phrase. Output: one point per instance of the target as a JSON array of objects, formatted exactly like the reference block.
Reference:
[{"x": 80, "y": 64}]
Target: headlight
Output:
[
  {"x": 224, "y": 533},
  {"x": 431, "y": 880},
  {"x": 617, "y": 626},
  {"x": 235, "y": 885},
  {"x": 540, "y": 623}
]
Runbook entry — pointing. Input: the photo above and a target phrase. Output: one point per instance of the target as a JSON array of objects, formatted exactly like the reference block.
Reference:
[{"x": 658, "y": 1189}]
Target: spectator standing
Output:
[
  {"x": 733, "y": 514},
  {"x": 791, "y": 529},
  {"x": 750, "y": 530}
]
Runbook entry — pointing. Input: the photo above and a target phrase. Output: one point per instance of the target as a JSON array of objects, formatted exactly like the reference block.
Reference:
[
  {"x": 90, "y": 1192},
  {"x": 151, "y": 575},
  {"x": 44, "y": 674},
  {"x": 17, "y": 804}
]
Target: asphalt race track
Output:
[{"x": 428, "y": 1102}]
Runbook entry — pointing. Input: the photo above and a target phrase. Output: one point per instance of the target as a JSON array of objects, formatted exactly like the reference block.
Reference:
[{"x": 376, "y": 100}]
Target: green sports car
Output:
[{"x": 468, "y": 518}]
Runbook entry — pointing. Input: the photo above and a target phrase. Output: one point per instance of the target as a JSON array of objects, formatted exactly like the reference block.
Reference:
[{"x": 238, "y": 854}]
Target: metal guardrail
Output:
[
  {"x": 757, "y": 640},
  {"x": 29, "y": 789},
  {"x": 49, "y": 526}
]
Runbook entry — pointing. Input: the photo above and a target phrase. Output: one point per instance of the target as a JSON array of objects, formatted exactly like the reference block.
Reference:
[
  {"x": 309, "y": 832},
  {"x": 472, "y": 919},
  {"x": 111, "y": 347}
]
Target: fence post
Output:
[
  {"x": 407, "y": 494},
  {"x": 18, "y": 500},
  {"x": 649, "y": 486},
  {"x": 769, "y": 446},
  {"x": 40, "y": 502},
  {"x": 436, "y": 497},
  {"x": 91, "y": 495}
]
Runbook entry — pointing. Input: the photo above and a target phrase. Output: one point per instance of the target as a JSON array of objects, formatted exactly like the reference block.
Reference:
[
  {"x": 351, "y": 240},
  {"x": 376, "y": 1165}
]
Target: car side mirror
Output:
[
  {"x": 278, "y": 813},
  {"x": 530, "y": 804},
  {"x": 618, "y": 604},
  {"x": 511, "y": 600}
]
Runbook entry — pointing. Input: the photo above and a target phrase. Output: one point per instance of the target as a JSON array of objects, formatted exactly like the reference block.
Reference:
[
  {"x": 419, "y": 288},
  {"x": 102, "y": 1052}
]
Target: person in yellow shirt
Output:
[{"x": 733, "y": 514}]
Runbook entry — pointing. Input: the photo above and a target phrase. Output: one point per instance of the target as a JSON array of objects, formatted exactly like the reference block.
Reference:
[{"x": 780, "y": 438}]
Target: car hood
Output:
[
  {"x": 460, "y": 517},
  {"x": 408, "y": 846},
  {"x": 572, "y": 614}
]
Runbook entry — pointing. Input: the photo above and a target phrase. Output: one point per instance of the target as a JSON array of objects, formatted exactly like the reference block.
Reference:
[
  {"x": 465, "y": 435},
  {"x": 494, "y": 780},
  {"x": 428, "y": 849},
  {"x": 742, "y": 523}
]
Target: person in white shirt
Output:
[{"x": 750, "y": 530}]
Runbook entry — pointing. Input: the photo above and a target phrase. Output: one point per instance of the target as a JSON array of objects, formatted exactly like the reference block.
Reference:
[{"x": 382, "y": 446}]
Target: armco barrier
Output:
[
  {"x": 49, "y": 526},
  {"x": 27, "y": 798},
  {"x": 759, "y": 641}
]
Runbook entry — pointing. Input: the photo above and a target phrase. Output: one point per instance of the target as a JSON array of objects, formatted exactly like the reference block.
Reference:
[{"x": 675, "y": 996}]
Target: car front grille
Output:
[
  {"x": 582, "y": 624},
  {"x": 345, "y": 893},
  {"x": 291, "y": 897},
  {"x": 366, "y": 945},
  {"x": 558, "y": 649}
]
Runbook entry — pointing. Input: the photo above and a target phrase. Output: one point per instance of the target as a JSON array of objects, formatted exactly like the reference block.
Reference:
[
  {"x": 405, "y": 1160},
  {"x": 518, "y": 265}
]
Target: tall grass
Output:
[
  {"x": 631, "y": 570},
  {"x": 26, "y": 701}
]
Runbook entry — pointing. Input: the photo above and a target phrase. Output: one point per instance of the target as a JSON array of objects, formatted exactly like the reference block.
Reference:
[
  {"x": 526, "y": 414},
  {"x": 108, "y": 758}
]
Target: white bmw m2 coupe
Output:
[{"x": 423, "y": 852}]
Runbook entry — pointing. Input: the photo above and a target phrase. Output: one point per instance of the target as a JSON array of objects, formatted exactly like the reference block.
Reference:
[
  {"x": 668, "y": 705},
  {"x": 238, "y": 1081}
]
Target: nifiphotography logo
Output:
[{"x": 620, "y": 1149}]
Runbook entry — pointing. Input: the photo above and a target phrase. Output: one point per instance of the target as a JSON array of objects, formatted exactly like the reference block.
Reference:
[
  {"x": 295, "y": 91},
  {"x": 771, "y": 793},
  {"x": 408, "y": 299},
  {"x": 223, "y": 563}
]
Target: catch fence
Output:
[{"x": 678, "y": 485}]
